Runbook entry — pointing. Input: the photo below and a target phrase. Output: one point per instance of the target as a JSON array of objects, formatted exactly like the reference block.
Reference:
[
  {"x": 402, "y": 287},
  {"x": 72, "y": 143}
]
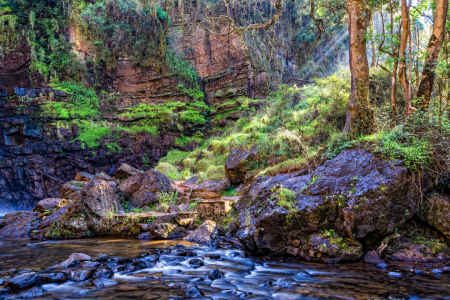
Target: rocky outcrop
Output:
[
  {"x": 141, "y": 189},
  {"x": 237, "y": 164},
  {"x": 19, "y": 224},
  {"x": 357, "y": 194},
  {"x": 435, "y": 211},
  {"x": 209, "y": 189},
  {"x": 100, "y": 198}
]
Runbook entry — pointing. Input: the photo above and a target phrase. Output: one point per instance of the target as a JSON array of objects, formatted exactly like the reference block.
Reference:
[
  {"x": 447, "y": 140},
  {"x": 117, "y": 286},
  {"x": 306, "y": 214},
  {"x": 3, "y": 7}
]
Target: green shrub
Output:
[{"x": 169, "y": 170}]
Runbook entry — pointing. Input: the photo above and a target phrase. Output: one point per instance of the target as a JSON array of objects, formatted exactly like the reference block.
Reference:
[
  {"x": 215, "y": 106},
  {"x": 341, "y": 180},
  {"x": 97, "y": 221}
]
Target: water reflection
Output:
[{"x": 243, "y": 277}]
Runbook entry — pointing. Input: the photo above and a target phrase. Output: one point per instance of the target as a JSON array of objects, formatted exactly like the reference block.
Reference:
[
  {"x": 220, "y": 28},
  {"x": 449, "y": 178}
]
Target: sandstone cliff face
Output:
[{"x": 220, "y": 60}]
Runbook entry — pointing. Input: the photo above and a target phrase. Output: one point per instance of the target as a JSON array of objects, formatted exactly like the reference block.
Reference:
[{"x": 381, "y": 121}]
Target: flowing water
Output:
[{"x": 249, "y": 278}]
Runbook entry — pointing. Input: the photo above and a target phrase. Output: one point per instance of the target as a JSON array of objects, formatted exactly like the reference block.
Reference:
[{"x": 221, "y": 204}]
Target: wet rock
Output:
[
  {"x": 176, "y": 285},
  {"x": 214, "y": 274},
  {"x": 99, "y": 197},
  {"x": 70, "y": 262},
  {"x": 166, "y": 231},
  {"x": 330, "y": 248},
  {"x": 191, "y": 183},
  {"x": 139, "y": 265},
  {"x": 431, "y": 253},
  {"x": 437, "y": 271},
  {"x": 289, "y": 281},
  {"x": 382, "y": 266},
  {"x": 90, "y": 264},
  {"x": 22, "y": 281},
  {"x": 210, "y": 189},
  {"x": 205, "y": 234},
  {"x": 80, "y": 256},
  {"x": 70, "y": 190},
  {"x": 151, "y": 258},
  {"x": 239, "y": 294},
  {"x": 372, "y": 258},
  {"x": 395, "y": 274},
  {"x": 48, "y": 204},
  {"x": 193, "y": 291},
  {"x": 237, "y": 164},
  {"x": 19, "y": 224},
  {"x": 104, "y": 282},
  {"x": 157, "y": 275},
  {"x": 104, "y": 273},
  {"x": 58, "y": 277},
  {"x": 196, "y": 262},
  {"x": 347, "y": 194},
  {"x": 436, "y": 212},
  {"x": 266, "y": 284},
  {"x": 101, "y": 258},
  {"x": 144, "y": 236},
  {"x": 83, "y": 176},
  {"x": 82, "y": 274},
  {"x": 124, "y": 261},
  {"x": 124, "y": 171},
  {"x": 141, "y": 188},
  {"x": 34, "y": 293}
]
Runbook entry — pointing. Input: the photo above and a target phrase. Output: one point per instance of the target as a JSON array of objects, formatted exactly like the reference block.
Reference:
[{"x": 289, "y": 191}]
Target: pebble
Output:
[
  {"x": 437, "y": 271},
  {"x": 395, "y": 274},
  {"x": 382, "y": 265},
  {"x": 418, "y": 272}
]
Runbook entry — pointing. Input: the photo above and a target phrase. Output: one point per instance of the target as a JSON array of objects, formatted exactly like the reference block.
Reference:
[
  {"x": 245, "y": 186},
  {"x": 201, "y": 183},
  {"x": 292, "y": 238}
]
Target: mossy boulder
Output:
[
  {"x": 238, "y": 164},
  {"x": 357, "y": 194}
]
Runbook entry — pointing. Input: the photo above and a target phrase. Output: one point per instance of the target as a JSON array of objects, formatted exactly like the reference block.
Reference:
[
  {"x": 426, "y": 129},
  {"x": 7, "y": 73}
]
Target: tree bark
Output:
[
  {"x": 402, "y": 68},
  {"x": 433, "y": 49},
  {"x": 359, "y": 116}
]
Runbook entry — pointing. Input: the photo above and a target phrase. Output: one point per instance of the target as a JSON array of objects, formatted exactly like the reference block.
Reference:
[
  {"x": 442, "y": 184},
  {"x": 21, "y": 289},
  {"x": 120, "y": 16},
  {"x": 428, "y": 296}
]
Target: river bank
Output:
[{"x": 240, "y": 277}]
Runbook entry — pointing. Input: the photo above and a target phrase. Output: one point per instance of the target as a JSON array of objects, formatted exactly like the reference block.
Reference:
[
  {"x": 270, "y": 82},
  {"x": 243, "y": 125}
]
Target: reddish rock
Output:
[
  {"x": 100, "y": 198},
  {"x": 210, "y": 189},
  {"x": 124, "y": 171},
  {"x": 141, "y": 189},
  {"x": 372, "y": 258},
  {"x": 83, "y": 176},
  {"x": 69, "y": 190}
]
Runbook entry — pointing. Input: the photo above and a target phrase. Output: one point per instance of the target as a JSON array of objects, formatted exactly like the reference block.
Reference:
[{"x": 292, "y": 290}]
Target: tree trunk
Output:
[
  {"x": 360, "y": 116},
  {"x": 393, "y": 92},
  {"x": 402, "y": 68},
  {"x": 433, "y": 49},
  {"x": 374, "y": 58}
]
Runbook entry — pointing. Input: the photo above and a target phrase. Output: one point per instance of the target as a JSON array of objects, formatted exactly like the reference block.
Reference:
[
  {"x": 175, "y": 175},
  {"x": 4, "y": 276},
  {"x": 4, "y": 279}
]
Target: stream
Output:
[{"x": 249, "y": 278}]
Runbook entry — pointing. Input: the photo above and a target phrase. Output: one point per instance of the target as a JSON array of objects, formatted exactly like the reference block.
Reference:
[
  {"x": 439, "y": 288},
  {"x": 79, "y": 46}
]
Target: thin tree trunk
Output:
[
  {"x": 374, "y": 58},
  {"x": 433, "y": 49},
  {"x": 360, "y": 116},
  {"x": 402, "y": 68},
  {"x": 393, "y": 96}
]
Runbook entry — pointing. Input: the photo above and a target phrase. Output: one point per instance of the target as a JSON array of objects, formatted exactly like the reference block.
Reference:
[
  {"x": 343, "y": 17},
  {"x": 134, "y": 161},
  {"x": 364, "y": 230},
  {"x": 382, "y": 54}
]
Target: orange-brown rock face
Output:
[
  {"x": 220, "y": 60},
  {"x": 144, "y": 85}
]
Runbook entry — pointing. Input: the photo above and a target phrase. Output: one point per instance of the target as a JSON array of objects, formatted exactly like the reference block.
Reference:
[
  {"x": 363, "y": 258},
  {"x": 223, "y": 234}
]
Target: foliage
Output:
[{"x": 166, "y": 199}]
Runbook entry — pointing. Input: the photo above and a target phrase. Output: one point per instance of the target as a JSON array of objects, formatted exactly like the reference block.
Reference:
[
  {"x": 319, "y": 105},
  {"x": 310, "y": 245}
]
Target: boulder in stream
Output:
[
  {"x": 19, "y": 224},
  {"x": 205, "y": 234},
  {"x": 357, "y": 194}
]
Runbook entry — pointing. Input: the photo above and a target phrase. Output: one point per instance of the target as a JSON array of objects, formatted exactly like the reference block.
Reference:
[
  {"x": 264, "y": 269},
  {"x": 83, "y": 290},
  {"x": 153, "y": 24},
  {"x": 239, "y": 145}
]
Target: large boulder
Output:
[
  {"x": 48, "y": 204},
  {"x": 435, "y": 210},
  {"x": 141, "y": 188},
  {"x": 70, "y": 221},
  {"x": 100, "y": 197},
  {"x": 210, "y": 189},
  {"x": 238, "y": 163},
  {"x": 124, "y": 171},
  {"x": 357, "y": 194},
  {"x": 205, "y": 234},
  {"x": 19, "y": 224},
  {"x": 432, "y": 252}
]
